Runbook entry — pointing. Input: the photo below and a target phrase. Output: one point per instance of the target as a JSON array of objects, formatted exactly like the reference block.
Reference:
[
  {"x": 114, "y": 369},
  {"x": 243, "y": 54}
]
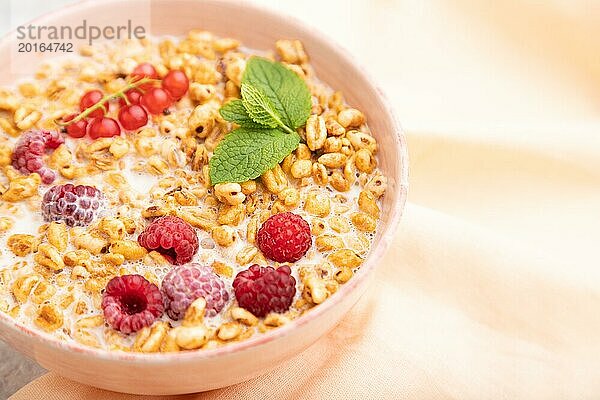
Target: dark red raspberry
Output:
[
  {"x": 186, "y": 283},
  {"x": 284, "y": 237},
  {"x": 74, "y": 205},
  {"x": 172, "y": 237},
  {"x": 131, "y": 302},
  {"x": 262, "y": 290},
  {"x": 29, "y": 151}
]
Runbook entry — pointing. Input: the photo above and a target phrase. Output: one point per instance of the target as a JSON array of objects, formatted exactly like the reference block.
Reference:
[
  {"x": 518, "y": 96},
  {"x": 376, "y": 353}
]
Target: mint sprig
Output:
[{"x": 275, "y": 102}]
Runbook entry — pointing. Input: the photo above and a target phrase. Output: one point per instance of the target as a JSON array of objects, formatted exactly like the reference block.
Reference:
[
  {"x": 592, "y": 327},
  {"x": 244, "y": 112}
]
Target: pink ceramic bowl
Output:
[{"x": 204, "y": 370}]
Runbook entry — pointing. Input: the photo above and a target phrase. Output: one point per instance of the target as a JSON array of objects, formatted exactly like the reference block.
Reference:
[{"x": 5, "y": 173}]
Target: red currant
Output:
[
  {"x": 145, "y": 70},
  {"x": 89, "y": 99},
  {"x": 156, "y": 100},
  {"x": 176, "y": 83},
  {"x": 133, "y": 117},
  {"x": 104, "y": 127},
  {"x": 132, "y": 95},
  {"x": 77, "y": 129}
]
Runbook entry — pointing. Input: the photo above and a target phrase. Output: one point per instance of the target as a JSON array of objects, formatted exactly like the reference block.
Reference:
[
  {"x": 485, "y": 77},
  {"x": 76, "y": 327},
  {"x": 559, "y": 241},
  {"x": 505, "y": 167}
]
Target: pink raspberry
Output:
[
  {"x": 130, "y": 302},
  {"x": 74, "y": 205},
  {"x": 186, "y": 283},
  {"x": 28, "y": 155},
  {"x": 172, "y": 237},
  {"x": 262, "y": 290},
  {"x": 284, "y": 237}
]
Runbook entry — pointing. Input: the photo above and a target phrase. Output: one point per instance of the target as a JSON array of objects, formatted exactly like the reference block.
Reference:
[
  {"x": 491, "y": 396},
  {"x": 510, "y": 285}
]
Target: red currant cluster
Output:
[{"x": 140, "y": 97}]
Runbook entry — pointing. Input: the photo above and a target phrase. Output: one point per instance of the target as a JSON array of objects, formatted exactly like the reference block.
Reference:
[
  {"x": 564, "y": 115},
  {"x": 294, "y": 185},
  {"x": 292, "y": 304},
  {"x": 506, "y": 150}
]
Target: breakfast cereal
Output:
[{"x": 112, "y": 231}]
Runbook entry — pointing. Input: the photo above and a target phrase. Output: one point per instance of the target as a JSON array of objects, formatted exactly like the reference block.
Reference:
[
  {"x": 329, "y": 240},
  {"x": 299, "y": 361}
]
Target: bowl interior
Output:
[{"x": 258, "y": 28}]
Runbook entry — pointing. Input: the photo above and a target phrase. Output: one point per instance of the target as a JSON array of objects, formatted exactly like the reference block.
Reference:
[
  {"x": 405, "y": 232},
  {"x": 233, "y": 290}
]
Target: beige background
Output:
[{"x": 496, "y": 293}]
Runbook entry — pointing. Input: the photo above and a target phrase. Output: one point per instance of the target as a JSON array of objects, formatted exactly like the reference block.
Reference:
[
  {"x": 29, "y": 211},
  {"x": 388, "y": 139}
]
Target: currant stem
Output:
[
  {"x": 125, "y": 99},
  {"x": 101, "y": 104}
]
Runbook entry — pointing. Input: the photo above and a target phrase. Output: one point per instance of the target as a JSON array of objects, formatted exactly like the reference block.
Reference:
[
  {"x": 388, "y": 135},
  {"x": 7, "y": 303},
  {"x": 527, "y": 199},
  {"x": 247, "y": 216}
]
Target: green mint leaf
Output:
[
  {"x": 234, "y": 111},
  {"x": 246, "y": 153},
  {"x": 274, "y": 100},
  {"x": 259, "y": 107},
  {"x": 286, "y": 91}
]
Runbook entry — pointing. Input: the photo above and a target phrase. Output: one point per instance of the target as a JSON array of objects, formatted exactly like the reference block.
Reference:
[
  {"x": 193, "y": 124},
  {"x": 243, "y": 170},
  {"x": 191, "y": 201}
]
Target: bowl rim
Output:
[{"x": 375, "y": 255}]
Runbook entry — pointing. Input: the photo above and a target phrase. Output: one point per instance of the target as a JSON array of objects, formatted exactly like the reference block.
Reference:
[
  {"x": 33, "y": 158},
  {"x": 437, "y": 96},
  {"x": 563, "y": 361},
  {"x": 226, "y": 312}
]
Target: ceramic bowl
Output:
[{"x": 209, "y": 369}]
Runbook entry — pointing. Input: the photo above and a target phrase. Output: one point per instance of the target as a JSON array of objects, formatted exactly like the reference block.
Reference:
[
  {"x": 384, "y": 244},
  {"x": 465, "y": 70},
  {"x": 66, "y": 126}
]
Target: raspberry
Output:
[
  {"x": 284, "y": 237},
  {"x": 186, "y": 283},
  {"x": 262, "y": 290},
  {"x": 172, "y": 237},
  {"x": 29, "y": 151},
  {"x": 130, "y": 302},
  {"x": 73, "y": 205}
]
